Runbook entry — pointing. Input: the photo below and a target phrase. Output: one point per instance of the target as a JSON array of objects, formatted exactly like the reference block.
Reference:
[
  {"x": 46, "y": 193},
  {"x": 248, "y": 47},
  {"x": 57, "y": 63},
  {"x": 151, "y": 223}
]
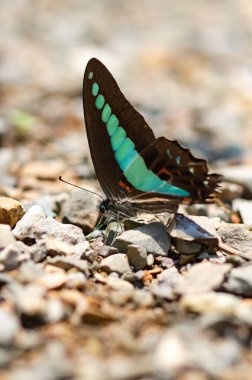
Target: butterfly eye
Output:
[{"x": 104, "y": 206}]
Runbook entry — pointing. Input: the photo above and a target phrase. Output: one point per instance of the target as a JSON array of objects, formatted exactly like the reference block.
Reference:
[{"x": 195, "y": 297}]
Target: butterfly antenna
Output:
[{"x": 79, "y": 187}]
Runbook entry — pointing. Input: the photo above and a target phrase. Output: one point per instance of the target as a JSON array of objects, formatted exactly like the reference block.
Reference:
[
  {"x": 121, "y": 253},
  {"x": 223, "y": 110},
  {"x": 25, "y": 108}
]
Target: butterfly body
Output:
[{"x": 137, "y": 172}]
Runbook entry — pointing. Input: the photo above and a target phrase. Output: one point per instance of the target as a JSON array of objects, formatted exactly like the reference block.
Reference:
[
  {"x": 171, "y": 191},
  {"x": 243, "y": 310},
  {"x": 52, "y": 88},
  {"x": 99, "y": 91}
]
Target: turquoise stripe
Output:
[
  {"x": 95, "y": 89},
  {"x": 112, "y": 124},
  {"x": 99, "y": 102},
  {"x": 117, "y": 138},
  {"x": 129, "y": 160},
  {"x": 106, "y": 112},
  {"x": 124, "y": 151}
]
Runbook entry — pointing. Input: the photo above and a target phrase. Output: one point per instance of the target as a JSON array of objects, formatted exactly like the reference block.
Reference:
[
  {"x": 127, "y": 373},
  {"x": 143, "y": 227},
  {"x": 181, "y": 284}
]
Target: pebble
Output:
[
  {"x": 45, "y": 170},
  {"x": 82, "y": 210},
  {"x": 189, "y": 247},
  {"x": 239, "y": 280},
  {"x": 9, "y": 327},
  {"x": 11, "y": 211},
  {"x": 153, "y": 237},
  {"x": 6, "y": 236},
  {"x": 59, "y": 248},
  {"x": 116, "y": 263},
  {"x": 67, "y": 263},
  {"x": 55, "y": 311},
  {"x": 52, "y": 280},
  {"x": 244, "y": 207},
  {"x": 76, "y": 280},
  {"x": 211, "y": 302},
  {"x": 150, "y": 260},
  {"x": 143, "y": 298},
  {"x": 13, "y": 255},
  {"x": 202, "y": 278},
  {"x": 137, "y": 257},
  {"x": 35, "y": 225},
  {"x": 237, "y": 236},
  {"x": 194, "y": 228}
]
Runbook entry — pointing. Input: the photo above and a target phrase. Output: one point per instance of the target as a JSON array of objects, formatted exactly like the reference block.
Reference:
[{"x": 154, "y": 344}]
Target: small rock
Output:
[
  {"x": 13, "y": 255},
  {"x": 107, "y": 250},
  {"x": 237, "y": 236},
  {"x": 143, "y": 298},
  {"x": 45, "y": 170},
  {"x": 137, "y": 256},
  {"x": 10, "y": 211},
  {"x": 76, "y": 280},
  {"x": 67, "y": 263},
  {"x": 202, "y": 278},
  {"x": 52, "y": 280},
  {"x": 36, "y": 226},
  {"x": 82, "y": 210},
  {"x": 189, "y": 247},
  {"x": 240, "y": 280},
  {"x": 133, "y": 276},
  {"x": 194, "y": 228},
  {"x": 119, "y": 284},
  {"x": 55, "y": 311},
  {"x": 212, "y": 302},
  {"x": 29, "y": 299},
  {"x": 59, "y": 248},
  {"x": 150, "y": 260},
  {"x": 116, "y": 263},
  {"x": 9, "y": 327},
  {"x": 244, "y": 207},
  {"x": 153, "y": 237},
  {"x": 6, "y": 236}
]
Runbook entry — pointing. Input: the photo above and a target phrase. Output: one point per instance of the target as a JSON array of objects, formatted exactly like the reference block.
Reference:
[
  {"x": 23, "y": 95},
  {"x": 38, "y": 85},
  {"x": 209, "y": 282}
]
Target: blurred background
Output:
[{"x": 186, "y": 66}]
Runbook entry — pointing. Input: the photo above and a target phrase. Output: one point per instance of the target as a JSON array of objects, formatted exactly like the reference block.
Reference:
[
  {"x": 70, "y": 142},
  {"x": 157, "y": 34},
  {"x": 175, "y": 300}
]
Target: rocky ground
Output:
[{"x": 134, "y": 300}]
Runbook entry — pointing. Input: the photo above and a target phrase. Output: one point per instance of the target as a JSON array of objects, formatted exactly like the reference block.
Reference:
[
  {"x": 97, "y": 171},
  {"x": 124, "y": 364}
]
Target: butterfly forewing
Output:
[{"x": 131, "y": 165}]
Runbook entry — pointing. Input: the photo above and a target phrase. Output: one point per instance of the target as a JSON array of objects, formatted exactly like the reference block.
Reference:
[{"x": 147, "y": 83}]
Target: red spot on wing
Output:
[{"x": 125, "y": 187}]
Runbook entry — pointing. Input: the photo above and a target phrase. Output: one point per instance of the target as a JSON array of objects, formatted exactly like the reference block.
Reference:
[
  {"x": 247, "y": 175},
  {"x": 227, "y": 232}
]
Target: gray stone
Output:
[
  {"x": 116, "y": 263},
  {"x": 153, "y": 237},
  {"x": 107, "y": 250},
  {"x": 150, "y": 260},
  {"x": 244, "y": 207},
  {"x": 54, "y": 311},
  {"x": 6, "y": 236},
  {"x": 36, "y": 226},
  {"x": 184, "y": 246},
  {"x": 143, "y": 298},
  {"x": 69, "y": 262},
  {"x": 59, "y": 248},
  {"x": 194, "y": 228},
  {"x": 240, "y": 280},
  {"x": 137, "y": 256},
  {"x": 13, "y": 255},
  {"x": 9, "y": 327},
  {"x": 238, "y": 236},
  {"x": 202, "y": 278},
  {"x": 82, "y": 210}
]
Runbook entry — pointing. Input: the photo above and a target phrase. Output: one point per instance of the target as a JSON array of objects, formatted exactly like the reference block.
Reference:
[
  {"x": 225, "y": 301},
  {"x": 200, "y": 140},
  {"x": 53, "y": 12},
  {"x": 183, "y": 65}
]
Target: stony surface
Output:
[{"x": 161, "y": 303}]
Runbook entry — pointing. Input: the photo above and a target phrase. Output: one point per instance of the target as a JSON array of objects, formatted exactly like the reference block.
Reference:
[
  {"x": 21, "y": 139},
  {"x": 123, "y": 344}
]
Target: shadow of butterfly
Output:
[{"x": 136, "y": 171}]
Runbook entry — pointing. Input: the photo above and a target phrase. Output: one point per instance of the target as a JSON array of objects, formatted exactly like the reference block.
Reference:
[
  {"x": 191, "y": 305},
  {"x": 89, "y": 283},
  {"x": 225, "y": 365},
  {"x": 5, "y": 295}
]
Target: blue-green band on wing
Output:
[{"x": 131, "y": 163}]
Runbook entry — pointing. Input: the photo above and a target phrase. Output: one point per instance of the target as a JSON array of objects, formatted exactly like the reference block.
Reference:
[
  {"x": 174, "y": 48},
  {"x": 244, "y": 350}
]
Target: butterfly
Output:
[{"x": 136, "y": 170}]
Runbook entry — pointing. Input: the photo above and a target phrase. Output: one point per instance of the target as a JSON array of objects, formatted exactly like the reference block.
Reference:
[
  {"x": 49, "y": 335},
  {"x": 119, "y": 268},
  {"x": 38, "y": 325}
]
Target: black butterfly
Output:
[{"x": 137, "y": 172}]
